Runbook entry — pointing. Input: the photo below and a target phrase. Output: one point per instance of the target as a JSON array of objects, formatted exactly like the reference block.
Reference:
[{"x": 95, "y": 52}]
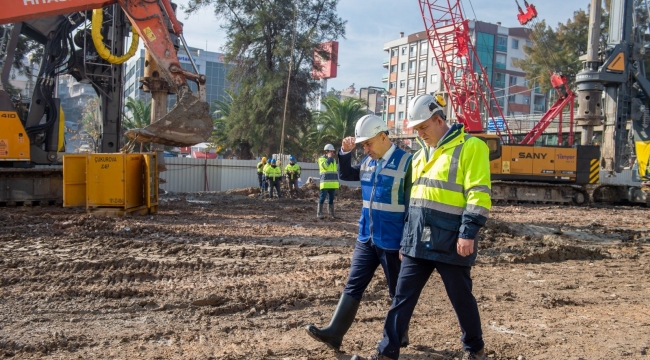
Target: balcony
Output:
[
  {"x": 384, "y": 78},
  {"x": 539, "y": 107},
  {"x": 500, "y": 65},
  {"x": 502, "y": 48},
  {"x": 500, "y": 84}
]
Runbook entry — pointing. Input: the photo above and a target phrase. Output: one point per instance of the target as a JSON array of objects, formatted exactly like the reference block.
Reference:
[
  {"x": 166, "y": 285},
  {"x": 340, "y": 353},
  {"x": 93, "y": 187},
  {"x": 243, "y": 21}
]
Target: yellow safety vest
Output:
[
  {"x": 450, "y": 196},
  {"x": 260, "y": 167},
  {"x": 440, "y": 182},
  {"x": 295, "y": 169},
  {"x": 273, "y": 173},
  {"x": 329, "y": 175}
]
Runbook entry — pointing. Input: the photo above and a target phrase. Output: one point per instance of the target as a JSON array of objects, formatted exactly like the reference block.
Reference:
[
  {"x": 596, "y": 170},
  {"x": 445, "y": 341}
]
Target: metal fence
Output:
[{"x": 193, "y": 175}]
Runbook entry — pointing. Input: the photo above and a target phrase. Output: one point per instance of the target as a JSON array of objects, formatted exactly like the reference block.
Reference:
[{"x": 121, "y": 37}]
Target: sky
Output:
[{"x": 370, "y": 24}]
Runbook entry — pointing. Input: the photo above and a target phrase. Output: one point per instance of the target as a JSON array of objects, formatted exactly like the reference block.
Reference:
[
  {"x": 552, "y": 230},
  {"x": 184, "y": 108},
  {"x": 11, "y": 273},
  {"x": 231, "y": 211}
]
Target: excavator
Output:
[{"x": 86, "y": 39}]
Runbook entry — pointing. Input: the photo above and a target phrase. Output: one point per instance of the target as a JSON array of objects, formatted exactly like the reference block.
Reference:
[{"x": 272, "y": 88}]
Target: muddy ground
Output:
[{"x": 224, "y": 276}]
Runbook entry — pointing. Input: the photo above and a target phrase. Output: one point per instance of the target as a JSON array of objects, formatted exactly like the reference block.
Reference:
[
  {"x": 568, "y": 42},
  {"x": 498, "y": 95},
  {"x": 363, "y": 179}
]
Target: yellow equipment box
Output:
[{"x": 111, "y": 183}]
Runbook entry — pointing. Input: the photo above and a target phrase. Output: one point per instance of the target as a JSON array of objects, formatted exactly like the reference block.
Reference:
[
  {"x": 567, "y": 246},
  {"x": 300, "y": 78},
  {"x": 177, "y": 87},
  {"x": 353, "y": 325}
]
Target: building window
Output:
[
  {"x": 423, "y": 47},
  {"x": 393, "y": 68},
  {"x": 412, "y": 51},
  {"x": 526, "y": 99},
  {"x": 422, "y": 82},
  {"x": 391, "y": 85},
  {"x": 403, "y": 50},
  {"x": 400, "y": 100},
  {"x": 394, "y": 52},
  {"x": 400, "y": 115},
  {"x": 433, "y": 61},
  {"x": 391, "y": 116},
  {"x": 423, "y": 65},
  {"x": 501, "y": 61},
  {"x": 411, "y": 84},
  {"x": 513, "y": 80},
  {"x": 391, "y": 101},
  {"x": 529, "y": 43},
  {"x": 434, "y": 78},
  {"x": 499, "y": 80},
  {"x": 515, "y": 44},
  {"x": 412, "y": 67},
  {"x": 511, "y": 99},
  {"x": 402, "y": 83},
  {"x": 402, "y": 66},
  {"x": 409, "y": 98},
  {"x": 502, "y": 43}
]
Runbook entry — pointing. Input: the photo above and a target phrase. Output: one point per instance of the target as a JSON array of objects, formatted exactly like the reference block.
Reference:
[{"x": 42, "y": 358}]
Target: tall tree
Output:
[
  {"x": 559, "y": 49},
  {"x": 259, "y": 41},
  {"x": 555, "y": 50},
  {"x": 91, "y": 122}
]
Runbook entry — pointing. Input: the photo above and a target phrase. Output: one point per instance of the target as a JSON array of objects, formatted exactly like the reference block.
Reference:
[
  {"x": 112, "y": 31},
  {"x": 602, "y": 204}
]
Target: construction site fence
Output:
[{"x": 194, "y": 175}]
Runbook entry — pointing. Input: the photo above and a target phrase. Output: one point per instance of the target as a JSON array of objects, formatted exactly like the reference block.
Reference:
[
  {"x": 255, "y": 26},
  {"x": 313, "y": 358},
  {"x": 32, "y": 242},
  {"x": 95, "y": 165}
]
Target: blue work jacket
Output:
[{"x": 385, "y": 197}]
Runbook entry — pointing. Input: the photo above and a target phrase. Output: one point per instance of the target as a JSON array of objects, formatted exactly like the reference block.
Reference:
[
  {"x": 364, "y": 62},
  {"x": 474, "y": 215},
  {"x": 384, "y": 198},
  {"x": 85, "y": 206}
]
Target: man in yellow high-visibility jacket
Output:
[
  {"x": 329, "y": 179},
  {"x": 450, "y": 202},
  {"x": 273, "y": 175}
]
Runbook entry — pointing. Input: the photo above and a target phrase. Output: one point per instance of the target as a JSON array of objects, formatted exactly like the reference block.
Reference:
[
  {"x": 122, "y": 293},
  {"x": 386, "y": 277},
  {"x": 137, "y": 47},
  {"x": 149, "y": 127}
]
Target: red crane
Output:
[{"x": 464, "y": 78}]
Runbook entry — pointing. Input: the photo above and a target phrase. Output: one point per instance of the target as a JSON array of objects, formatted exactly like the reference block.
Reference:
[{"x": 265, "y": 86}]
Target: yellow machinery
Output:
[
  {"x": 114, "y": 184},
  {"x": 545, "y": 174}
]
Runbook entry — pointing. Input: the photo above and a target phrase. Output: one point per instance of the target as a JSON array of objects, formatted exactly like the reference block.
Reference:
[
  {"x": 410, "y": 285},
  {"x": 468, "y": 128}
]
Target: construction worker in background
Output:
[
  {"x": 265, "y": 183},
  {"x": 293, "y": 173},
  {"x": 329, "y": 179},
  {"x": 385, "y": 175},
  {"x": 260, "y": 171},
  {"x": 450, "y": 202},
  {"x": 273, "y": 177}
]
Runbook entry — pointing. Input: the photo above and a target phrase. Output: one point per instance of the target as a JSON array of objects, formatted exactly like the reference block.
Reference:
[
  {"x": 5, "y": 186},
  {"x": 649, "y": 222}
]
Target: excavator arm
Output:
[{"x": 189, "y": 122}]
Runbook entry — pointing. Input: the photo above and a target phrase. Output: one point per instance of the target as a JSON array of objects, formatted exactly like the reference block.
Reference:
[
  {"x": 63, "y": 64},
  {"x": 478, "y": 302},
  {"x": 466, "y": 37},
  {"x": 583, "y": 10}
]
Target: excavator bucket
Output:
[{"x": 188, "y": 123}]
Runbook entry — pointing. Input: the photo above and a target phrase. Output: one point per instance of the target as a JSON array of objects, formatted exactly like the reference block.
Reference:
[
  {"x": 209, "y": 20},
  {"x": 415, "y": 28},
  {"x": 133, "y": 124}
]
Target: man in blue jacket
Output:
[{"x": 385, "y": 178}]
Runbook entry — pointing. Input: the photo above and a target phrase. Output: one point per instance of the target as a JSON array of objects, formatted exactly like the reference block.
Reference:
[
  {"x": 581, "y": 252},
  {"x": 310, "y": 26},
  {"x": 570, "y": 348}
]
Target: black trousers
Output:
[
  {"x": 275, "y": 184},
  {"x": 365, "y": 260},
  {"x": 414, "y": 274}
]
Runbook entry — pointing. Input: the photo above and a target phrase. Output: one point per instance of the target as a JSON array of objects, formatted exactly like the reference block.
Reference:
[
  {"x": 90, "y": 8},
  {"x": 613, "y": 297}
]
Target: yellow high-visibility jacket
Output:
[
  {"x": 329, "y": 175},
  {"x": 451, "y": 195}
]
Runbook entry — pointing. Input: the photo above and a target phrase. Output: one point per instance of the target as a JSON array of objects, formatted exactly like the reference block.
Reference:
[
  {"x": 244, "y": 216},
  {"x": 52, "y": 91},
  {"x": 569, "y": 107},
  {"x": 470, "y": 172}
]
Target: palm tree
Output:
[
  {"x": 137, "y": 116},
  {"x": 338, "y": 119}
]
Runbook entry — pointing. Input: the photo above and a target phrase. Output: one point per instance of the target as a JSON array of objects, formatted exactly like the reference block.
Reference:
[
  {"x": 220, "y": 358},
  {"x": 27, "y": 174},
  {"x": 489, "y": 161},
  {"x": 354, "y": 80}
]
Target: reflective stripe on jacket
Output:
[
  {"x": 329, "y": 176},
  {"x": 295, "y": 168},
  {"x": 383, "y": 212},
  {"x": 273, "y": 173},
  {"x": 451, "y": 194}
]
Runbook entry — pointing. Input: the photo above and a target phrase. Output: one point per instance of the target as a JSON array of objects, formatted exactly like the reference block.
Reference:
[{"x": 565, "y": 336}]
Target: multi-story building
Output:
[
  {"x": 412, "y": 70},
  {"x": 208, "y": 63}
]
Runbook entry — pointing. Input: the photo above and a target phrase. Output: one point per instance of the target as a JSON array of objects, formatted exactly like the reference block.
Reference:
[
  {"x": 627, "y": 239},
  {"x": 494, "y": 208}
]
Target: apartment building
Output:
[
  {"x": 412, "y": 69},
  {"x": 210, "y": 64}
]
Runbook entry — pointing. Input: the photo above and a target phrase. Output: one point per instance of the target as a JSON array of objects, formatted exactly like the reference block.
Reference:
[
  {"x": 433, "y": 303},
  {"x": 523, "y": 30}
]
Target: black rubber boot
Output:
[
  {"x": 341, "y": 321},
  {"x": 319, "y": 212}
]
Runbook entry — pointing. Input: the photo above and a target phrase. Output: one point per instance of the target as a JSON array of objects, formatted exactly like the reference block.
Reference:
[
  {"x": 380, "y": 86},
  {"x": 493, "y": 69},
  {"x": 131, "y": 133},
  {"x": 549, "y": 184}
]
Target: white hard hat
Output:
[
  {"x": 368, "y": 127},
  {"x": 329, "y": 147},
  {"x": 422, "y": 107}
]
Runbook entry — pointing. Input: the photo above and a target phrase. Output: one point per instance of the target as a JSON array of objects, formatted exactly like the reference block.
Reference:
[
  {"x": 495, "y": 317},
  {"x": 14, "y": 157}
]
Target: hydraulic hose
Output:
[{"x": 98, "y": 40}]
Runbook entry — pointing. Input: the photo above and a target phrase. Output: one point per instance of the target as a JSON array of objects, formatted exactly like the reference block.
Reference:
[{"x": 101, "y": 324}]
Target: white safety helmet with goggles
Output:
[{"x": 422, "y": 107}]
